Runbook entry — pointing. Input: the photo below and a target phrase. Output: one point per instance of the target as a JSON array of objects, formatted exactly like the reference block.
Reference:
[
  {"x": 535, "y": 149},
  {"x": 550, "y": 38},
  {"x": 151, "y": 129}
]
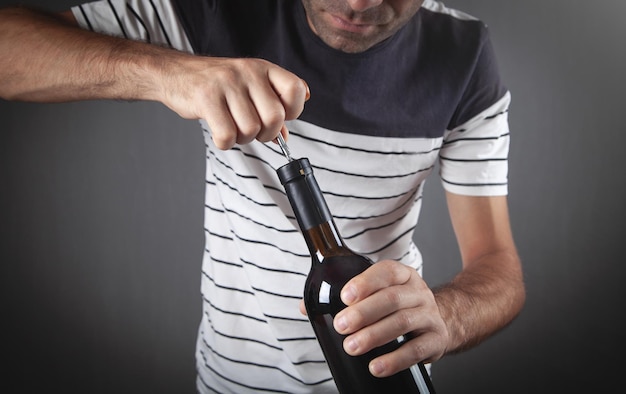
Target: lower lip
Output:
[{"x": 350, "y": 27}]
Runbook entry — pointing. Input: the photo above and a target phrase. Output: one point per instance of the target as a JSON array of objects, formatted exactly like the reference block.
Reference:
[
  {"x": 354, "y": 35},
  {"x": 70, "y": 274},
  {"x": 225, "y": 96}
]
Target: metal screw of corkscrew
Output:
[{"x": 284, "y": 147}]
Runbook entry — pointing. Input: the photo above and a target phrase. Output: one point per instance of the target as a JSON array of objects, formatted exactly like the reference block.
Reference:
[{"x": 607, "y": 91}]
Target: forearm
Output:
[
  {"x": 481, "y": 300},
  {"x": 45, "y": 58}
]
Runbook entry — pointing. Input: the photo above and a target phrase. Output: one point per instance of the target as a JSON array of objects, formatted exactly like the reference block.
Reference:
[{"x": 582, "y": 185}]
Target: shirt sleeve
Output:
[
  {"x": 151, "y": 21},
  {"x": 474, "y": 155}
]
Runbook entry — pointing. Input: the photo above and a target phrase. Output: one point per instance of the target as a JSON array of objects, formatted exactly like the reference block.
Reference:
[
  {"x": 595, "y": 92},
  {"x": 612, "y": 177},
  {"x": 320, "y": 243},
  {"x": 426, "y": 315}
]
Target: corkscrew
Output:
[{"x": 284, "y": 147}]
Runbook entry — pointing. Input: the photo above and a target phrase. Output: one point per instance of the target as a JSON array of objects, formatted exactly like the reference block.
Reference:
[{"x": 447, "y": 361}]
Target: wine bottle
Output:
[{"x": 333, "y": 265}]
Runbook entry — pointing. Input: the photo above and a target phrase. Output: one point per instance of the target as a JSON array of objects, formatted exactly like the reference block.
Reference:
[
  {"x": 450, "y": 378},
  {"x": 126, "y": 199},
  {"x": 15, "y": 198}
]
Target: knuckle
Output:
[
  {"x": 404, "y": 321},
  {"x": 227, "y": 75},
  {"x": 223, "y": 141},
  {"x": 418, "y": 351},
  {"x": 274, "y": 118},
  {"x": 399, "y": 272},
  {"x": 249, "y": 129},
  {"x": 294, "y": 95},
  {"x": 277, "y": 116},
  {"x": 392, "y": 298},
  {"x": 391, "y": 271},
  {"x": 295, "y": 88},
  {"x": 249, "y": 69}
]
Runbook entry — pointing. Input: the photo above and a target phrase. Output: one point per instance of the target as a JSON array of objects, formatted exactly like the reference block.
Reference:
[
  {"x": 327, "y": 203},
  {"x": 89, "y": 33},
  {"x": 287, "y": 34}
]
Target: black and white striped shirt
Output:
[{"x": 376, "y": 124}]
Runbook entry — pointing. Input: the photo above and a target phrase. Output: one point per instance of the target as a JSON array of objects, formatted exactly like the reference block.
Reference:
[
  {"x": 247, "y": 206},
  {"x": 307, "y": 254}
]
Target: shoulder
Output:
[
  {"x": 436, "y": 13},
  {"x": 449, "y": 27}
]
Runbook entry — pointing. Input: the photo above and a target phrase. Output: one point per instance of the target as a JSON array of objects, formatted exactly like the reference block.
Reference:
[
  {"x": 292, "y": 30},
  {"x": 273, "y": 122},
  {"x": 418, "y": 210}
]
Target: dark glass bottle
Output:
[{"x": 333, "y": 264}]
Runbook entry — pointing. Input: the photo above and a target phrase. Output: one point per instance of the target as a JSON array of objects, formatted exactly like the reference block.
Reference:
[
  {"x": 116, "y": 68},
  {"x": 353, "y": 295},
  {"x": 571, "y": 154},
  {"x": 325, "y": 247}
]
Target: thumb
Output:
[{"x": 302, "y": 308}]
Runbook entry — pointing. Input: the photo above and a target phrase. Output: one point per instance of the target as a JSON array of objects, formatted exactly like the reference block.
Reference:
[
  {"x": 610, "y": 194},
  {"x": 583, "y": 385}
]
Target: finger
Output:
[
  {"x": 284, "y": 131},
  {"x": 245, "y": 115},
  {"x": 270, "y": 111},
  {"x": 307, "y": 96},
  {"x": 292, "y": 91},
  {"x": 393, "y": 326},
  {"x": 222, "y": 126},
  {"x": 408, "y": 354},
  {"x": 386, "y": 302},
  {"x": 302, "y": 308},
  {"x": 379, "y": 276}
]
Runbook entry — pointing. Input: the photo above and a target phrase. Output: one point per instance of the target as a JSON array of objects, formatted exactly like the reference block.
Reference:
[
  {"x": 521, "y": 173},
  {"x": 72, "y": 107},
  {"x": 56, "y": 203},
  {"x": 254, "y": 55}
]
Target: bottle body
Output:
[
  {"x": 333, "y": 265},
  {"x": 321, "y": 298}
]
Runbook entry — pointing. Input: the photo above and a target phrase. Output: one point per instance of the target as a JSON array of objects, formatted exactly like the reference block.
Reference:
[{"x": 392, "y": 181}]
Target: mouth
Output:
[{"x": 348, "y": 26}]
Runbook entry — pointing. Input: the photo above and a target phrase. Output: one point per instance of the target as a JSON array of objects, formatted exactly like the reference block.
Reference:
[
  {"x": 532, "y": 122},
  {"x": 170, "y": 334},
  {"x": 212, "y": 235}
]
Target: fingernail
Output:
[
  {"x": 348, "y": 295},
  {"x": 377, "y": 368},
  {"x": 341, "y": 324},
  {"x": 308, "y": 91},
  {"x": 351, "y": 345}
]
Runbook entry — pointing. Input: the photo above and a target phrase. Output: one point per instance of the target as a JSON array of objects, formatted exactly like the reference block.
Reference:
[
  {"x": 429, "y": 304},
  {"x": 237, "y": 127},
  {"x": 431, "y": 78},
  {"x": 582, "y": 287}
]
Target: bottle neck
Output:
[
  {"x": 309, "y": 206},
  {"x": 324, "y": 240}
]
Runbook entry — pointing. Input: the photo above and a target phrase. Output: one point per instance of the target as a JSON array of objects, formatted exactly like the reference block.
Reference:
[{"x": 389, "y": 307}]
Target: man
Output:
[{"x": 395, "y": 85}]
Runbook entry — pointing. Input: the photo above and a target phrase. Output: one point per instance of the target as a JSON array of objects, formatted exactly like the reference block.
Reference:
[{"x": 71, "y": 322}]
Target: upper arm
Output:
[{"x": 481, "y": 225}]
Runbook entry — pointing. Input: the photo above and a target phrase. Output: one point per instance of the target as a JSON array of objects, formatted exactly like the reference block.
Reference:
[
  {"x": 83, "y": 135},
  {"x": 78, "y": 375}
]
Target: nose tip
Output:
[{"x": 362, "y": 5}]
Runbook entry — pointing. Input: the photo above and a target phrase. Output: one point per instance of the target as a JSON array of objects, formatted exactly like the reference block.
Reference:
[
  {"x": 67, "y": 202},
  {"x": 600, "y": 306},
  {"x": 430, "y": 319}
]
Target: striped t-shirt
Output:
[{"x": 376, "y": 124}]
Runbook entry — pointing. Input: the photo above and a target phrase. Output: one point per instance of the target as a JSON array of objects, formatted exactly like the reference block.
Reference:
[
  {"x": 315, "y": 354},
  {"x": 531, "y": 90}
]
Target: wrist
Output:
[
  {"x": 137, "y": 71},
  {"x": 450, "y": 302}
]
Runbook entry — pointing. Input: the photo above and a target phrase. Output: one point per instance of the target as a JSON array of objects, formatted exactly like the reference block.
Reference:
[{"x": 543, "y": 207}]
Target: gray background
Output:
[{"x": 101, "y": 224}]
